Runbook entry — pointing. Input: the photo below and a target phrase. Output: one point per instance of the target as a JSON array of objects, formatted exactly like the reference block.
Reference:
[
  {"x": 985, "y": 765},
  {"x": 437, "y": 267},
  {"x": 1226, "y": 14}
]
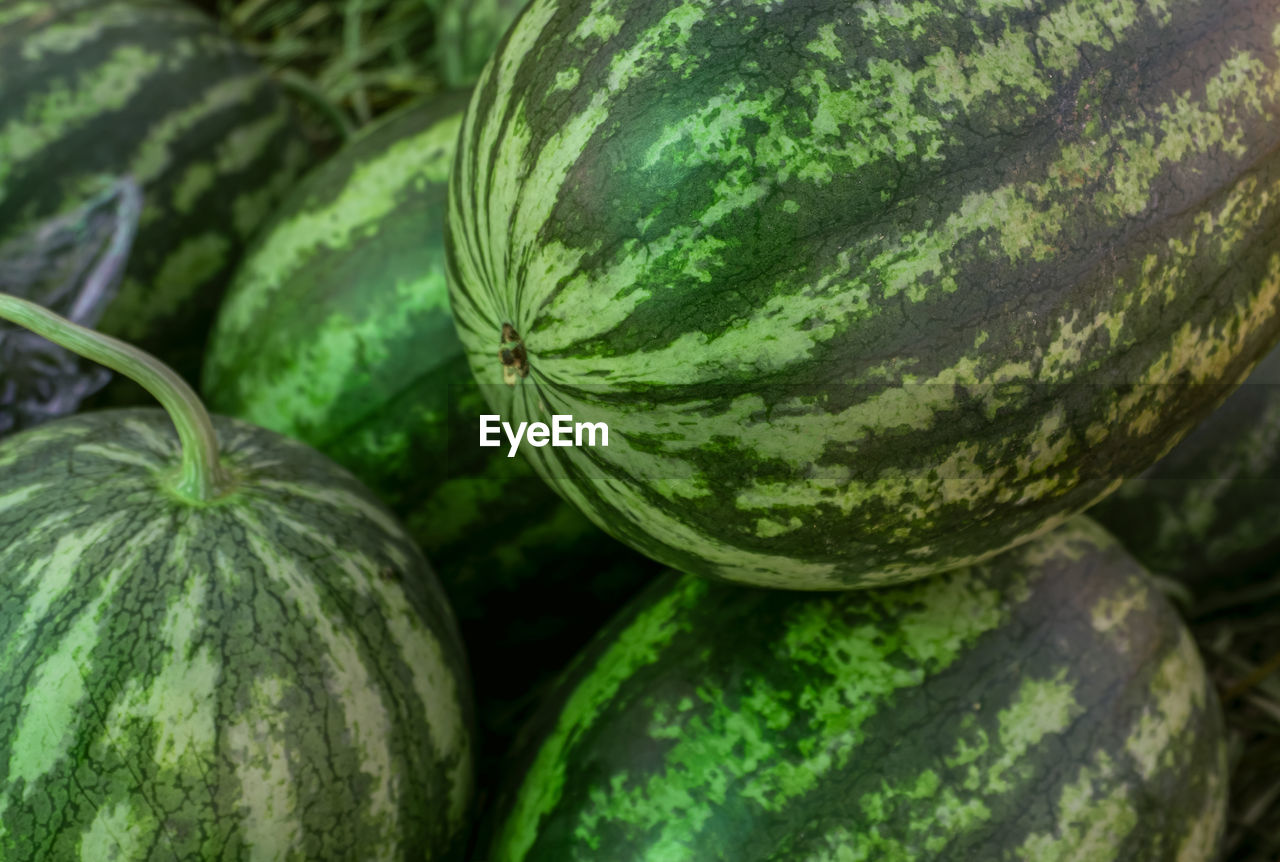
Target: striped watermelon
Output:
[
  {"x": 865, "y": 291},
  {"x": 336, "y": 331},
  {"x": 151, "y": 89},
  {"x": 1045, "y": 705},
  {"x": 467, "y": 33},
  {"x": 266, "y": 670},
  {"x": 1209, "y": 512}
]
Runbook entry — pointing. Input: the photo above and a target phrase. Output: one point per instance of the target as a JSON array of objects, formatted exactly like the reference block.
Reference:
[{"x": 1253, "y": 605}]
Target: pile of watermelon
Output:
[{"x": 918, "y": 368}]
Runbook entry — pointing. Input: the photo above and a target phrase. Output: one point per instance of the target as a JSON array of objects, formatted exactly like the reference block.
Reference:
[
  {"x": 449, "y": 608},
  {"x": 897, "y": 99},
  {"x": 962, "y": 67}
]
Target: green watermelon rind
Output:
[
  {"x": 864, "y": 296},
  {"x": 1045, "y": 705},
  {"x": 274, "y": 674}
]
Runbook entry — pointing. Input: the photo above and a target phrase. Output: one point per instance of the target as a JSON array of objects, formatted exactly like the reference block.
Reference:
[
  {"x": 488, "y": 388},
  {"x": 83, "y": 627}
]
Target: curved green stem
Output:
[{"x": 201, "y": 477}]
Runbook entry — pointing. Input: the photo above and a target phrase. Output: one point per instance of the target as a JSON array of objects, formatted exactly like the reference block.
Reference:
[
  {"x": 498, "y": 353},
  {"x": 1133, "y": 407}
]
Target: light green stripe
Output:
[
  {"x": 180, "y": 699},
  {"x": 191, "y": 186},
  {"x": 271, "y": 823},
  {"x": 640, "y": 644},
  {"x": 53, "y": 705},
  {"x": 244, "y": 145},
  {"x": 1088, "y": 826},
  {"x": 119, "y": 830},
  {"x": 193, "y": 262},
  {"x": 122, "y": 454},
  {"x": 674, "y": 477},
  {"x": 62, "y": 108},
  {"x": 19, "y": 497},
  {"x": 46, "y": 580},
  {"x": 1203, "y": 352},
  {"x": 369, "y": 195},
  {"x": 1177, "y": 698},
  {"x": 720, "y": 748},
  {"x": 1206, "y": 827},
  {"x": 364, "y": 712},
  {"x": 156, "y": 154},
  {"x": 340, "y": 500},
  {"x": 518, "y": 202},
  {"x": 18, "y": 11},
  {"x": 434, "y": 679},
  {"x": 65, "y": 37},
  {"x": 74, "y": 27},
  {"x": 17, "y": 447},
  {"x": 339, "y": 350}
]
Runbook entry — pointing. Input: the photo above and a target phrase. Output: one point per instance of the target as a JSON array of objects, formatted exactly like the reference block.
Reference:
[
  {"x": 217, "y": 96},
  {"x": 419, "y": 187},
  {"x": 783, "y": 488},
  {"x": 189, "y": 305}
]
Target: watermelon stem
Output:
[{"x": 201, "y": 477}]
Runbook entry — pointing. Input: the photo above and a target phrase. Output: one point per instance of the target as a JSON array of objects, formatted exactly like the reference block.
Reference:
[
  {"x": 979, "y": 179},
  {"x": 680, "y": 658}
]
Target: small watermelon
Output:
[{"x": 215, "y": 645}]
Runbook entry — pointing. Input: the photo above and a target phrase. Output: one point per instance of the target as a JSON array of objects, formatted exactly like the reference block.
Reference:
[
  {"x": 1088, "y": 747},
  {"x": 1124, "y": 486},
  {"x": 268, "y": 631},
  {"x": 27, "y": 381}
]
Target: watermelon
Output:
[
  {"x": 1047, "y": 704},
  {"x": 467, "y": 33},
  {"x": 336, "y": 331},
  {"x": 865, "y": 292},
  {"x": 154, "y": 90},
  {"x": 216, "y": 645},
  {"x": 1208, "y": 513}
]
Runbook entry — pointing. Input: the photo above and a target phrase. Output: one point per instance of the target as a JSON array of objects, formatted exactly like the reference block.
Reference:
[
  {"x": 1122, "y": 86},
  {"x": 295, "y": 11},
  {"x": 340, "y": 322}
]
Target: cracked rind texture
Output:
[
  {"x": 274, "y": 675},
  {"x": 156, "y": 91},
  {"x": 336, "y": 331},
  {"x": 1208, "y": 513},
  {"x": 866, "y": 293},
  {"x": 1045, "y": 705}
]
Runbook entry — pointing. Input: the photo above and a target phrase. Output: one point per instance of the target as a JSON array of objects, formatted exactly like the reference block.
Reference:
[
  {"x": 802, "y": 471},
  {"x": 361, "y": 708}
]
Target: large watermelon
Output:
[
  {"x": 150, "y": 89},
  {"x": 865, "y": 291},
  {"x": 336, "y": 331},
  {"x": 266, "y": 669},
  {"x": 1045, "y": 705},
  {"x": 1208, "y": 513}
]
